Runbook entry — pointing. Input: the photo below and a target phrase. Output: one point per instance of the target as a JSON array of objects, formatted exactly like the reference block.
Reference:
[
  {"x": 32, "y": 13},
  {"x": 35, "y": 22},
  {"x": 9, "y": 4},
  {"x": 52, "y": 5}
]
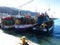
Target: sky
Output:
[{"x": 35, "y": 5}]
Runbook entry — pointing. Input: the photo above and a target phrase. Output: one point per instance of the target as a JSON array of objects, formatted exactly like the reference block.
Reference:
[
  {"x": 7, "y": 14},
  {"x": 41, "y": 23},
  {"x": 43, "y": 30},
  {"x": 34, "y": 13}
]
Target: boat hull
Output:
[
  {"x": 7, "y": 27},
  {"x": 24, "y": 29},
  {"x": 28, "y": 27}
]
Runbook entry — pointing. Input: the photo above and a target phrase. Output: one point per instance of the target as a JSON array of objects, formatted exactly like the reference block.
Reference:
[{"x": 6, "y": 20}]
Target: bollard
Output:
[{"x": 23, "y": 39}]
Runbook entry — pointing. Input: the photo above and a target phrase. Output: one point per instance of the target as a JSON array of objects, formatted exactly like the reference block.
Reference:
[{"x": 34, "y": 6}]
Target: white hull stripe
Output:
[
  {"x": 23, "y": 26},
  {"x": 8, "y": 26},
  {"x": 50, "y": 28}
]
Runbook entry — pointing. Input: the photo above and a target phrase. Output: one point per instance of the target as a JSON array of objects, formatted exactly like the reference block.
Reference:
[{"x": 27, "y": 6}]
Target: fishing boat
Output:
[
  {"x": 45, "y": 24},
  {"x": 28, "y": 23},
  {"x": 7, "y": 22},
  {"x": 24, "y": 23}
]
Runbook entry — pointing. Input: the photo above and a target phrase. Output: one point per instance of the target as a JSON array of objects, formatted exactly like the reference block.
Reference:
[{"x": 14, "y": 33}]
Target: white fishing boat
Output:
[{"x": 7, "y": 22}]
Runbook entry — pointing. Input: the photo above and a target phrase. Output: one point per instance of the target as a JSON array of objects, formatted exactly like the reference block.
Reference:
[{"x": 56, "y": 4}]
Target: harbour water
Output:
[{"x": 41, "y": 39}]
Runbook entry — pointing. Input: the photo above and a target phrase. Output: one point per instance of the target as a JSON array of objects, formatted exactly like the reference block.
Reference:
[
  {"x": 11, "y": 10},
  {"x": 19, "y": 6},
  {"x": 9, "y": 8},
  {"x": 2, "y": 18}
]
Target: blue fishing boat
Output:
[{"x": 44, "y": 24}]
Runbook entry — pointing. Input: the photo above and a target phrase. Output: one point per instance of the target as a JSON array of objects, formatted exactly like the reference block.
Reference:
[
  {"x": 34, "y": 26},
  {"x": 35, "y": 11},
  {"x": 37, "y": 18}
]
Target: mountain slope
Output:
[{"x": 14, "y": 11}]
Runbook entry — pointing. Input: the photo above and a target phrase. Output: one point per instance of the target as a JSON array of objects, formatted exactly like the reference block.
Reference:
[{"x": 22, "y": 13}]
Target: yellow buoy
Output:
[{"x": 24, "y": 42}]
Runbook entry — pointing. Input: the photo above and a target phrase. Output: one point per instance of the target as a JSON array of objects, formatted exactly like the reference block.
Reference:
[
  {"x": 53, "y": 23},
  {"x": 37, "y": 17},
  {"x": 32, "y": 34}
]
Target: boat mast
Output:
[{"x": 19, "y": 13}]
